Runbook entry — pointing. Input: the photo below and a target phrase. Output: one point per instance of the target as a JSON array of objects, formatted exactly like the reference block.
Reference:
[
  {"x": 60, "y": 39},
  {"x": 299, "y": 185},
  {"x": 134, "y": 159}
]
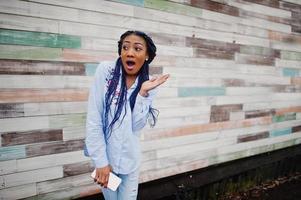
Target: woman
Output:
[{"x": 118, "y": 108}]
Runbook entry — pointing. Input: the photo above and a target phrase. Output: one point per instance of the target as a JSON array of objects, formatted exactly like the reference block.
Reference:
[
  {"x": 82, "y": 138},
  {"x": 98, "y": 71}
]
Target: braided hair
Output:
[{"x": 122, "y": 96}]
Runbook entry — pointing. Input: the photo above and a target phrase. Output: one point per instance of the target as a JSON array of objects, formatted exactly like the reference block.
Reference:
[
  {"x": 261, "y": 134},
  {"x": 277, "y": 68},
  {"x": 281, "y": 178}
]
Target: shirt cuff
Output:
[{"x": 99, "y": 163}]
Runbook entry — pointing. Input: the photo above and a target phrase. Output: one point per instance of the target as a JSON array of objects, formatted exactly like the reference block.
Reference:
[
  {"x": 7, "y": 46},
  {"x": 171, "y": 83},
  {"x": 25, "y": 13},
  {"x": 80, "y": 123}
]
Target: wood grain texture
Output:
[
  {"x": 54, "y": 147},
  {"x": 39, "y": 39},
  {"x": 214, "y": 6},
  {"x": 222, "y": 113},
  {"x": 248, "y": 138},
  {"x": 42, "y": 95},
  {"x": 29, "y": 67},
  {"x": 77, "y": 168},
  {"x": 28, "y": 137},
  {"x": 233, "y": 92}
]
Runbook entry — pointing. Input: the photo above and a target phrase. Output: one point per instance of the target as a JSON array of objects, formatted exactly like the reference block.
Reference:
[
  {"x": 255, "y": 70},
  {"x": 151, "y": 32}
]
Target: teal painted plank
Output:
[
  {"x": 172, "y": 7},
  {"x": 132, "y": 2},
  {"x": 200, "y": 91},
  {"x": 90, "y": 68},
  {"x": 286, "y": 117},
  {"x": 290, "y": 72},
  {"x": 39, "y": 39},
  {"x": 13, "y": 152},
  {"x": 279, "y": 132}
]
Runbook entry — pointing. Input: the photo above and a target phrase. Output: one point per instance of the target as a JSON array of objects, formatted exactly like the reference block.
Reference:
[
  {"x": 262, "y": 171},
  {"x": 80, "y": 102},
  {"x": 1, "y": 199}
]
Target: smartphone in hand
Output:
[{"x": 114, "y": 181}]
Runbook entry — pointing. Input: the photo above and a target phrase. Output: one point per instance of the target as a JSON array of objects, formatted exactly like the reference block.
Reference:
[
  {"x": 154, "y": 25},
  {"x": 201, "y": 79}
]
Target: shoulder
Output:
[{"x": 105, "y": 68}]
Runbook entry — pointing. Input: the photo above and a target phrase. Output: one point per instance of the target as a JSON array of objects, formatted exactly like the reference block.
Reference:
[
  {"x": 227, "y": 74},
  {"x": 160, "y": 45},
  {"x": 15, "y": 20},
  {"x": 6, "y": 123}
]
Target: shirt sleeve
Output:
[
  {"x": 95, "y": 140},
  {"x": 141, "y": 109}
]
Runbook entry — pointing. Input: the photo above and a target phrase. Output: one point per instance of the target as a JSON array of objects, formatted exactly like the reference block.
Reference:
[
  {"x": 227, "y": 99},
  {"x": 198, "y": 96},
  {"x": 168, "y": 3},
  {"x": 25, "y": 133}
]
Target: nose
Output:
[{"x": 130, "y": 52}]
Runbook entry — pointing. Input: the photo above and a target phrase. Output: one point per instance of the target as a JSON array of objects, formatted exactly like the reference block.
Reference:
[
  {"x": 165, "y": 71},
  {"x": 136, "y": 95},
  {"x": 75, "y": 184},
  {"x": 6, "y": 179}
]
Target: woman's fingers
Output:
[{"x": 162, "y": 79}]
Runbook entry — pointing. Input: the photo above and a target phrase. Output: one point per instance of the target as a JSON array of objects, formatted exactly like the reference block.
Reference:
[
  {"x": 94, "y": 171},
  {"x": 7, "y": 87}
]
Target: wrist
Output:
[{"x": 143, "y": 93}]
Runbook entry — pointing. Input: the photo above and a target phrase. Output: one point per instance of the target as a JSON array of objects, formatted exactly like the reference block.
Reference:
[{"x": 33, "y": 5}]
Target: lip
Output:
[{"x": 130, "y": 67}]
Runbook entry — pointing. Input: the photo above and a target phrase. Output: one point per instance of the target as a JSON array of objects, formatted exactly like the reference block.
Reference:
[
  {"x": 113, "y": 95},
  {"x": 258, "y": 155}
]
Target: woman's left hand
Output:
[{"x": 151, "y": 84}]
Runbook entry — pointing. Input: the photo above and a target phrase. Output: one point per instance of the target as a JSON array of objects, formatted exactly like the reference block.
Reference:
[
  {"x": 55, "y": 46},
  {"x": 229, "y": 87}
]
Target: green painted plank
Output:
[
  {"x": 172, "y": 7},
  {"x": 13, "y": 152},
  {"x": 71, "y": 120},
  {"x": 132, "y": 2},
  {"x": 290, "y": 55},
  {"x": 29, "y": 53},
  {"x": 39, "y": 39},
  {"x": 290, "y": 72},
  {"x": 200, "y": 91},
  {"x": 286, "y": 117},
  {"x": 279, "y": 132},
  {"x": 256, "y": 50},
  {"x": 90, "y": 68}
]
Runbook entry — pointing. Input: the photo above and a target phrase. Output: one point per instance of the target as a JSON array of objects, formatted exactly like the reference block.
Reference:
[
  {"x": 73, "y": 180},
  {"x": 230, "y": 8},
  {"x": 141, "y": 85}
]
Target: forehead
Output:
[{"x": 134, "y": 39}]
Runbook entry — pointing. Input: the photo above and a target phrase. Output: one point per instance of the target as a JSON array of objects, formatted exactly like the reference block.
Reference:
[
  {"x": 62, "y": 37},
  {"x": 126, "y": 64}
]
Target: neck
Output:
[{"x": 130, "y": 80}]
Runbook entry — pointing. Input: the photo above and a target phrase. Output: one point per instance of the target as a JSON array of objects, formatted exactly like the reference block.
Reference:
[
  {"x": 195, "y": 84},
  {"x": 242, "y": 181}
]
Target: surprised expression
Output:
[{"x": 133, "y": 54}]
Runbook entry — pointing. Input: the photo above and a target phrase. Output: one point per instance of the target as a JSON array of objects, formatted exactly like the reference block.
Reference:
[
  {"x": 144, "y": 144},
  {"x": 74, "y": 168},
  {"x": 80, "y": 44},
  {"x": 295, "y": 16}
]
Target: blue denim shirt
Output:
[{"x": 122, "y": 150}]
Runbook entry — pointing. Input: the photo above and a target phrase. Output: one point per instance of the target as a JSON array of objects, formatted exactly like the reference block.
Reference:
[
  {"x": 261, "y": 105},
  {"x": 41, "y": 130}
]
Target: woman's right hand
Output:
[{"x": 102, "y": 175}]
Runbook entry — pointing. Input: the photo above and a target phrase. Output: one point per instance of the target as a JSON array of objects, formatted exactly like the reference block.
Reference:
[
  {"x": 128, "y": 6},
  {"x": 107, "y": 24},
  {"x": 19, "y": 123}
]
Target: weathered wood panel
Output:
[
  {"x": 28, "y": 137},
  {"x": 234, "y": 89}
]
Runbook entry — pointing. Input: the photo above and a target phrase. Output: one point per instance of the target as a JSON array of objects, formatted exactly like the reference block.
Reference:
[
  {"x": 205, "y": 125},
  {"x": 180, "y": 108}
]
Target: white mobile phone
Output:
[{"x": 114, "y": 181}]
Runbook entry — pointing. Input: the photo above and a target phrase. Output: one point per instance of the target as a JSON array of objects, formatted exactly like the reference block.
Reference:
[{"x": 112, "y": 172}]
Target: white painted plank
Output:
[
  {"x": 184, "y": 111},
  {"x": 51, "y": 160},
  {"x": 8, "y": 21},
  {"x": 196, "y": 147},
  {"x": 33, "y": 176},
  {"x": 167, "y": 143},
  {"x": 64, "y": 183},
  {"x": 268, "y": 105},
  {"x": 37, "y": 82},
  {"x": 237, "y": 116},
  {"x": 286, "y": 97},
  {"x": 54, "y": 108},
  {"x": 224, "y": 100},
  {"x": 180, "y": 102},
  {"x": 288, "y": 63},
  {"x": 93, "y": 5},
  {"x": 74, "y": 132},
  {"x": 24, "y": 123},
  {"x": 74, "y": 28},
  {"x": 19, "y": 192},
  {"x": 253, "y": 77},
  {"x": 41, "y": 122},
  {"x": 7, "y": 167},
  {"x": 248, "y": 91}
]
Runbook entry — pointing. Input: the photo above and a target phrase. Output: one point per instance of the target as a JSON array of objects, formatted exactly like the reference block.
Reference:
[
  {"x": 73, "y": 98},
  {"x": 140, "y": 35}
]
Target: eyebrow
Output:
[{"x": 134, "y": 43}]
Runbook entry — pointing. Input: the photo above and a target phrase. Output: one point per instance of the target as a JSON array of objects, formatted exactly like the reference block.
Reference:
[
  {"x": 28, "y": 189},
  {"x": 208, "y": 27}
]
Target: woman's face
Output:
[{"x": 133, "y": 54}]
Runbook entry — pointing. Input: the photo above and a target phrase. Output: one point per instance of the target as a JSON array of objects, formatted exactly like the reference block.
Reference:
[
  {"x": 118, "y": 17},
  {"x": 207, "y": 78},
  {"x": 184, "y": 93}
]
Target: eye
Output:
[{"x": 124, "y": 47}]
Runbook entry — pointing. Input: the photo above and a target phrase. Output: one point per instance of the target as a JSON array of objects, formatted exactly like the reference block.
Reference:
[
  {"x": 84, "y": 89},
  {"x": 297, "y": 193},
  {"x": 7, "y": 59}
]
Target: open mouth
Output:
[{"x": 130, "y": 64}]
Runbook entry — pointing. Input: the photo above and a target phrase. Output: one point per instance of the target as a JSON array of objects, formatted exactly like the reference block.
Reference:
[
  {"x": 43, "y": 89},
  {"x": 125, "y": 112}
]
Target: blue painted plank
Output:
[
  {"x": 13, "y": 152},
  {"x": 90, "y": 68},
  {"x": 279, "y": 132},
  {"x": 290, "y": 72},
  {"x": 132, "y": 2}
]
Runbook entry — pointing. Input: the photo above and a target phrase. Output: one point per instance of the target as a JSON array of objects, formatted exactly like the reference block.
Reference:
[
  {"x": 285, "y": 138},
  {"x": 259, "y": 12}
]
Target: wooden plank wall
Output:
[{"x": 234, "y": 91}]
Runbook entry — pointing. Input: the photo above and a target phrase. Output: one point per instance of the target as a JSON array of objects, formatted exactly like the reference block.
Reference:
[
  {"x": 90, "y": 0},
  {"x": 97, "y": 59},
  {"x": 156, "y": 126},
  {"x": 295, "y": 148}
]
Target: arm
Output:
[
  {"x": 141, "y": 110},
  {"x": 95, "y": 141},
  {"x": 144, "y": 100}
]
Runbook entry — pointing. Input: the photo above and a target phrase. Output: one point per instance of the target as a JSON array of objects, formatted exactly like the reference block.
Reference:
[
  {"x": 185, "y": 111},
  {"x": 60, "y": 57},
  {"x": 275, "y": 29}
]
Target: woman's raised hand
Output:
[{"x": 152, "y": 83}]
